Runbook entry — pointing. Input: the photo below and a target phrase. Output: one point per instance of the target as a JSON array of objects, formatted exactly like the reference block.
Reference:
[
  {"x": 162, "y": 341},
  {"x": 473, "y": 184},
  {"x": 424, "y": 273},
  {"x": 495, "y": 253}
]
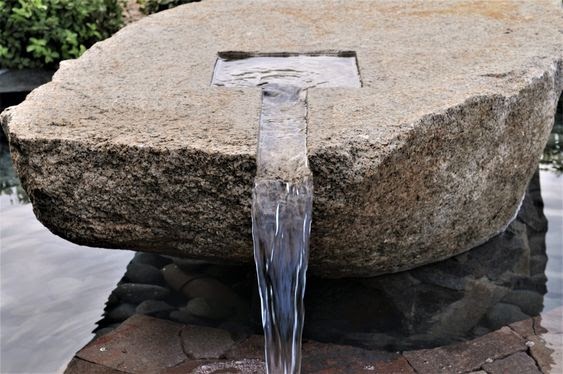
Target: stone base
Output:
[{"x": 148, "y": 345}]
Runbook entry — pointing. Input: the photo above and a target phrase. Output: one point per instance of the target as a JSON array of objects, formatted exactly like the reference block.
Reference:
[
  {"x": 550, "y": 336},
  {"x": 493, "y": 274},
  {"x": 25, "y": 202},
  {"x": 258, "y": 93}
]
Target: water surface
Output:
[{"x": 52, "y": 292}]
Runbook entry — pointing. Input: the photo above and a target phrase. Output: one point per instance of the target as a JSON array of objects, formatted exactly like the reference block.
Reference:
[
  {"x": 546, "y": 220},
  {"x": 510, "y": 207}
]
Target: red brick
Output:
[
  {"x": 251, "y": 347},
  {"x": 466, "y": 356},
  {"x": 78, "y": 366},
  {"x": 141, "y": 344},
  {"x": 519, "y": 363},
  {"x": 201, "y": 342},
  {"x": 242, "y": 366},
  {"x": 322, "y": 358},
  {"x": 524, "y": 328}
]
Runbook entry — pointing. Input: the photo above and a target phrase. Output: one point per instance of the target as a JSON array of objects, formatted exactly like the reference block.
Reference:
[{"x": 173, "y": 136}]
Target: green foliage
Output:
[
  {"x": 40, "y": 33},
  {"x": 153, "y": 6}
]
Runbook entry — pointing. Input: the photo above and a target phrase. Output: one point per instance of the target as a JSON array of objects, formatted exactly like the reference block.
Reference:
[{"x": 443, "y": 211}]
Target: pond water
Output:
[{"x": 53, "y": 292}]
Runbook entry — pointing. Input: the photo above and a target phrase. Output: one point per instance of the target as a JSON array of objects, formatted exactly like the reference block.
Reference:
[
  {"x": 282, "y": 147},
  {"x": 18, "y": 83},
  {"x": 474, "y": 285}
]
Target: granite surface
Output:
[{"x": 130, "y": 147}]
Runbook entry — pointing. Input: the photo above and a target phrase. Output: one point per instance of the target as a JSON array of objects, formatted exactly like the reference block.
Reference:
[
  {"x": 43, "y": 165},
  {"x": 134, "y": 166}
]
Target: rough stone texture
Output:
[
  {"x": 201, "y": 342},
  {"x": 140, "y": 345},
  {"x": 466, "y": 356},
  {"x": 337, "y": 359},
  {"x": 78, "y": 366},
  {"x": 151, "y": 346},
  {"x": 137, "y": 292},
  {"x": 547, "y": 349},
  {"x": 130, "y": 147},
  {"x": 524, "y": 328},
  {"x": 519, "y": 363}
]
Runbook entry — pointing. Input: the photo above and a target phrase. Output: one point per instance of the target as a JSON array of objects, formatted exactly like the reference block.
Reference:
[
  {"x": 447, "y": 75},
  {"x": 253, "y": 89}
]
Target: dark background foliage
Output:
[
  {"x": 40, "y": 33},
  {"x": 153, "y": 6}
]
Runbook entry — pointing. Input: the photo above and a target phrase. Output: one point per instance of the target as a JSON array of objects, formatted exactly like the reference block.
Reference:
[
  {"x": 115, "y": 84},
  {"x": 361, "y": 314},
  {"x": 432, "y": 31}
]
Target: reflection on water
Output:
[
  {"x": 52, "y": 291},
  {"x": 11, "y": 191}
]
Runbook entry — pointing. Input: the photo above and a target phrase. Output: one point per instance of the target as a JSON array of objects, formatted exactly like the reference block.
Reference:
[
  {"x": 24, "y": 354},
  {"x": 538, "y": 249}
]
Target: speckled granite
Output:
[{"x": 130, "y": 147}]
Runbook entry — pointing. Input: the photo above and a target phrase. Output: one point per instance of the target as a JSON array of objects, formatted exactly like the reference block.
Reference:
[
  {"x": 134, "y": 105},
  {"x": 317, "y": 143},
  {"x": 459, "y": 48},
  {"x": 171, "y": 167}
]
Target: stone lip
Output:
[{"x": 130, "y": 147}]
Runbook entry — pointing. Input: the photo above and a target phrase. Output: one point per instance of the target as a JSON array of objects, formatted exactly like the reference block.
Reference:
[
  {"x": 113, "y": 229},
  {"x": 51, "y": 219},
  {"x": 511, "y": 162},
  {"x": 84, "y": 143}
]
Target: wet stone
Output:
[
  {"x": 524, "y": 328},
  {"x": 190, "y": 265},
  {"x": 519, "y": 363},
  {"x": 501, "y": 314},
  {"x": 154, "y": 307},
  {"x": 136, "y": 293},
  {"x": 466, "y": 356},
  {"x": 201, "y": 342},
  {"x": 238, "y": 331},
  {"x": 543, "y": 355},
  {"x": 209, "y": 308},
  {"x": 141, "y": 344},
  {"x": 107, "y": 329},
  {"x": 188, "y": 366},
  {"x": 121, "y": 312},
  {"x": 398, "y": 365},
  {"x": 337, "y": 359},
  {"x": 78, "y": 366},
  {"x": 251, "y": 347},
  {"x": 151, "y": 259},
  {"x": 439, "y": 278},
  {"x": 480, "y": 330},
  {"x": 529, "y": 302},
  {"x": 183, "y": 316},
  {"x": 143, "y": 273},
  {"x": 242, "y": 366}
]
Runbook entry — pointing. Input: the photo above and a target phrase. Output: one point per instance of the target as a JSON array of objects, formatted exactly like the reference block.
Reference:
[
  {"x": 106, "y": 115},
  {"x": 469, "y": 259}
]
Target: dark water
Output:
[{"x": 53, "y": 292}]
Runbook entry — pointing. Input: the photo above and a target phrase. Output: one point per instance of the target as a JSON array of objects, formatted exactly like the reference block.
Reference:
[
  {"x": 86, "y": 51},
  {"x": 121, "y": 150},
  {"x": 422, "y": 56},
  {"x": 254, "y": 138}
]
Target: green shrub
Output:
[
  {"x": 153, "y": 6},
  {"x": 40, "y": 33}
]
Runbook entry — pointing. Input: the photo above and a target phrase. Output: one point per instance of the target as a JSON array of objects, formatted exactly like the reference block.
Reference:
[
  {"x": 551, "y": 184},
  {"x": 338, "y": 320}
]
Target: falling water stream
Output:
[{"x": 283, "y": 188}]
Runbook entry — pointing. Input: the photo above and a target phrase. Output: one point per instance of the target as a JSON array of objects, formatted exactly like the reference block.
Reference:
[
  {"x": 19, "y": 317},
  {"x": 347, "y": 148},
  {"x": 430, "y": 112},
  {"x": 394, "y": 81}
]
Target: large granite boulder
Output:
[{"x": 130, "y": 147}]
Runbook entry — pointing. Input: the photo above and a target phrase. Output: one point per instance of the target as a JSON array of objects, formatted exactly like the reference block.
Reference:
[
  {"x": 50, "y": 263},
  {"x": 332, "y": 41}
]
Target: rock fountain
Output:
[
  {"x": 131, "y": 147},
  {"x": 283, "y": 189}
]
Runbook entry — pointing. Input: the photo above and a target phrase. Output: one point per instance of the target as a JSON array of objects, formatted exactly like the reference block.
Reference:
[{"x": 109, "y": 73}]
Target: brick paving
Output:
[{"x": 145, "y": 344}]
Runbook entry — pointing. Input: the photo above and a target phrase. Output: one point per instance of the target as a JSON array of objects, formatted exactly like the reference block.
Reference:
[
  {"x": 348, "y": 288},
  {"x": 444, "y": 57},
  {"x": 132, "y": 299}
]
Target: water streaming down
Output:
[
  {"x": 281, "y": 223},
  {"x": 283, "y": 188}
]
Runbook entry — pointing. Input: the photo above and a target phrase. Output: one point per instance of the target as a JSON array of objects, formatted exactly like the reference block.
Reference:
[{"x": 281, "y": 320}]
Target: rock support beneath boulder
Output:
[{"x": 131, "y": 147}]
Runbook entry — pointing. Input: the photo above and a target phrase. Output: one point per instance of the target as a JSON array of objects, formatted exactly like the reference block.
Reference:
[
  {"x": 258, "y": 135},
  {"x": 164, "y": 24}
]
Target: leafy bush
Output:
[
  {"x": 153, "y": 6},
  {"x": 40, "y": 33}
]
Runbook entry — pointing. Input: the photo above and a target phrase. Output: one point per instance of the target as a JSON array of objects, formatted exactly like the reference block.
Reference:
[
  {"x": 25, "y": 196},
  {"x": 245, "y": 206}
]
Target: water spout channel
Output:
[{"x": 283, "y": 187}]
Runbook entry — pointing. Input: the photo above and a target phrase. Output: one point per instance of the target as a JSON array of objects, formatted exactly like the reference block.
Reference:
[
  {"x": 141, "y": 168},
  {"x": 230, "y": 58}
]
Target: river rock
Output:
[
  {"x": 121, "y": 312},
  {"x": 183, "y": 316},
  {"x": 154, "y": 307},
  {"x": 502, "y": 314},
  {"x": 209, "y": 308},
  {"x": 136, "y": 293},
  {"x": 142, "y": 273},
  {"x": 130, "y": 146},
  {"x": 151, "y": 259}
]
